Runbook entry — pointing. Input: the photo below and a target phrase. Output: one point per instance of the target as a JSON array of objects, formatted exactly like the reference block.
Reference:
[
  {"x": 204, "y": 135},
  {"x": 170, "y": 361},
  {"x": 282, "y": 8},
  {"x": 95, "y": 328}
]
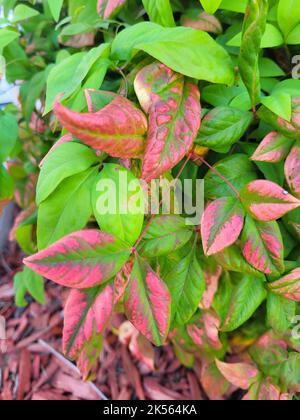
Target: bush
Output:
[{"x": 224, "y": 290}]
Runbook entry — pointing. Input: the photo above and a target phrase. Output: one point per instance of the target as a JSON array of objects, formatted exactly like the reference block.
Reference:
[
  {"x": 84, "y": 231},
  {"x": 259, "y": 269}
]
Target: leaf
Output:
[
  {"x": 6, "y": 37},
  {"x": 174, "y": 117},
  {"x": 148, "y": 303},
  {"x": 292, "y": 170},
  {"x": 294, "y": 36},
  {"x": 23, "y": 12},
  {"x": 238, "y": 6},
  {"x": 81, "y": 260},
  {"x": 290, "y": 375},
  {"x": 288, "y": 286},
  {"x": 186, "y": 284},
  {"x": 254, "y": 27},
  {"x": 241, "y": 375},
  {"x": 210, "y": 6},
  {"x": 28, "y": 281},
  {"x": 274, "y": 148},
  {"x": 280, "y": 103},
  {"x": 262, "y": 246},
  {"x": 202, "y": 57},
  {"x": 236, "y": 169},
  {"x": 205, "y": 332},
  {"x": 280, "y": 313},
  {"x": 86, "y": 315},
  {"x": 247, "y": 296},
  {"x": 160, "y": 11},
  {"x": 107, "y": 9},
  {"x": 232, "y": 259},
  {"x": 166, "y": 234},
  {"x": 222, "y": 127},
  {"x": 63, "y": 211},
  {"x": 221, "y": 224},
  {"x": 55, "y": 7},
  {"x": 64, "y": 139},
  {"x": 67, "y": 160},
  {"x": 117, "y": 129},
  {"x": 288, "y": 15},
  {"x": 118, "y": 203},
  {"x": 267, "y": 201},
  {"x": 271, "y": 38},
  {"x": 9, "y": 134},
  {"x": 66, "y": 76},
  {"x": 202, "y": 21}
]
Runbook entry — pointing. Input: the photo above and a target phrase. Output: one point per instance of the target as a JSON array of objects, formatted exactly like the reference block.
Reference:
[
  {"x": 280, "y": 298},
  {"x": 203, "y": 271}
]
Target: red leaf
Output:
[
  {"x": 288, "y": 286},
  {"x": 274, "y": 148},
  {"x": 262, "y": 246},
  {"x": 174, "y": 110},
  {"x": 86, "y": 317},
  {"x": 242, "y": 375},
  {"x": 267, "y": 201},
  {"x": 81, "y": 260},
  {"x": 221, "y": 224},
  {"x": 148, "y": 303},
  {"x": 109, "y": 8},
  {"x": 292, "y": 170},
  {"x": 205, "y": 332},
  {"x": 117, "y": 129}
]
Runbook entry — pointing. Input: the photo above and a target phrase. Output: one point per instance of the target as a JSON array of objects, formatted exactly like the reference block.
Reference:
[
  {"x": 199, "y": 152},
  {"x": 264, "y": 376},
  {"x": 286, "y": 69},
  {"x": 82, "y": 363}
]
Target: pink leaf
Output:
[
  {"x": 86, "y": 316},
  {"x": 288, "y": 286},
  {"x": 205, "y": 332},
  {"x": 173, "y": 104},
  {"x": 212, "y": 276},
  {"x": 109, "y": 8},
  {"x": 81, "y": 260},
  {"x": 262, "y": 246},
  {"x": 267, "y": 201},
  {"x": 117, "y": 129},
  {"x": 148, "y": 303},
  {"x": 242, "y": 375},
  {"x": 274, "y": 148},
  {"x": 292, "y": 170},
  {"x": 268, "y": 391},
  {"x": 221, "y": 224}
]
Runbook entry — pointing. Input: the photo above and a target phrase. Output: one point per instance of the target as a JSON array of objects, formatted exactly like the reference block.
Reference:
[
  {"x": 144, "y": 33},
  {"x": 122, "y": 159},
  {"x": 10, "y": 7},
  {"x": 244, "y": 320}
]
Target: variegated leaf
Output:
[
  {"x": 81, "y": 260},
  {"x": 267, "y": 201},
  {"x": 242, "y": 375},
  {"x": 86, "y": 316},
  {"x": 274, "y": 148},
  {"x": 221, "y": 225},
  {"x": 292, "y": 170},
  {"x": 118, "y": 128},
  {"x": 262, "y": 246},
  {"x": 148, "y": 303},
  {"x": 110, "y": 8},
  {"x": 205, "y": 332},
  {"x": 202, "y": 21},
  {"x": 173, "y": 104},
  {"x": 288, "y": 286}
]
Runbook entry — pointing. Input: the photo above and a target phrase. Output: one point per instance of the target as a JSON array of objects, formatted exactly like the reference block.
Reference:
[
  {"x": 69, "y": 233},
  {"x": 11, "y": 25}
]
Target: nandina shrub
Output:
[{"x": 158, "y": 97}]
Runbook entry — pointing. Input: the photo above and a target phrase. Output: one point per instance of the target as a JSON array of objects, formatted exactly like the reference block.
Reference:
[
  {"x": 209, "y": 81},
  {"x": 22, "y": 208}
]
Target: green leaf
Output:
[
  {"x": 271, "y": 38},
  {"x": 28, "y": 281},
  {"x": 280, "y": 313},
  {"x": 166, "y": 234},
  {"x": 23, "y": 12},
  {"x": 294, "y": 36},
  {"x": 280, "y": 103},
  {"x": 237, "y": 169},
  {"x": 66, "y": 160},
  {"x": 232, "y": 259},
  {"x": 290, "y": 373},
  {"x": 67, "y": 209},
  {"x": 268, "y": 68},
  {"x": 211, "y": 6},
  {"x": 120, "y": 211},
  {"x": 9, "y": 134},
  {"x": 253, "y": 29},
  {"x": 200, "y": 56},
  {"x": 222, "y": 127},
  {"x": 186, "y": 284},
  {"x": 55, "y": 7},
  {"x": 6, "y": 184},
  {"x": 6, "y": 37},
  {"x": 288, "y": 15},
  {"x": 247, "y": 296},
  {"x": 66, "y": 77},
  {"x": 160, "y": 11},
  {"x": 234, "y": 5}
]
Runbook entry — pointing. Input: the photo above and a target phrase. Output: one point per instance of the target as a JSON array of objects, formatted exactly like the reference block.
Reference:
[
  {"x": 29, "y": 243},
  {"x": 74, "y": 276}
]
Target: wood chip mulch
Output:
[{"x": 32, "y": 367}]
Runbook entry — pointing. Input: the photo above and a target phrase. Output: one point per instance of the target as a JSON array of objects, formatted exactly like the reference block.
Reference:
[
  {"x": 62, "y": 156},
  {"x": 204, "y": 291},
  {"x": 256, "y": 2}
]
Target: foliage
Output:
[{"x": 171, "y": 90}]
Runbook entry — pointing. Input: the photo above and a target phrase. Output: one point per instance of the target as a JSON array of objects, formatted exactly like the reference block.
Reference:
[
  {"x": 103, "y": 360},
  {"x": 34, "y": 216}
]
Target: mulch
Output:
[{"x": 33, "y": 368}]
